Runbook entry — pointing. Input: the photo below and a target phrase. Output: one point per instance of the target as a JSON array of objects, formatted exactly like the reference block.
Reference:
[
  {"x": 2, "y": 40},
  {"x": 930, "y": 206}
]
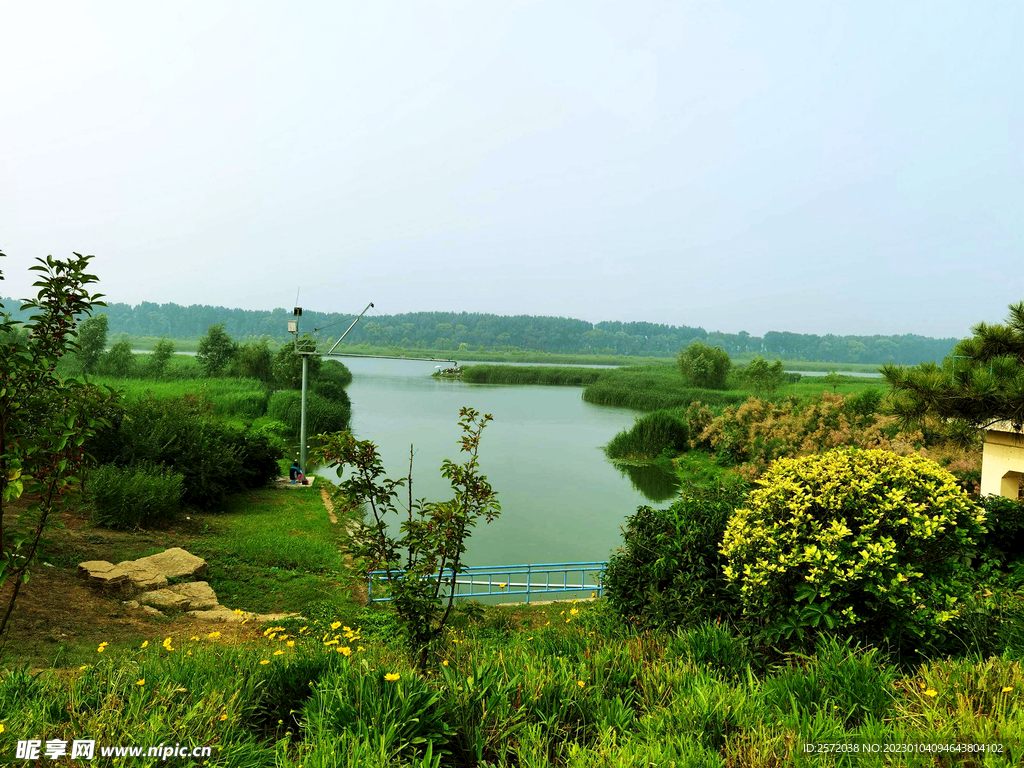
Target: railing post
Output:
[{"x": 528, "y": 567}]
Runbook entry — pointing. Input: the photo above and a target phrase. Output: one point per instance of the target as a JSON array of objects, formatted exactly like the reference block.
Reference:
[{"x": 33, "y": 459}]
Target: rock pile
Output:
[{"x": 147, "y": 580}]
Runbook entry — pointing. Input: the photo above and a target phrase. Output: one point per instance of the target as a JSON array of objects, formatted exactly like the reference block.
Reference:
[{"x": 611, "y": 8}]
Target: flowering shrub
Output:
[{"x": 866, "y": 541}]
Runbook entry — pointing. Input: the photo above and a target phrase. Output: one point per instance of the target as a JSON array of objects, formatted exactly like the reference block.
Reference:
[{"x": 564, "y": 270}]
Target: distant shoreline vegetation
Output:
[{"x": 454, "y": 334}]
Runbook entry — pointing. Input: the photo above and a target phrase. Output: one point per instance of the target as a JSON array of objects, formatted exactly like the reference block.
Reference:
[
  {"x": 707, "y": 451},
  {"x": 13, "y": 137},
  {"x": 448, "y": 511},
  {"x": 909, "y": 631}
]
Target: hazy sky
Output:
[{"x": 847, "y": 167}]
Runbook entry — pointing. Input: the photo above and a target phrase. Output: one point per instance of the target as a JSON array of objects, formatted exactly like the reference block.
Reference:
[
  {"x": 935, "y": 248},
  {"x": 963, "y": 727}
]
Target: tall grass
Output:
[
  {"x": 574, "y": 692},
  {"x": 649, "y": 437},
  {"x": 515, "y": 374},
  {"x": 653, "y": 388},
  {"x": 230, "y": 397}
]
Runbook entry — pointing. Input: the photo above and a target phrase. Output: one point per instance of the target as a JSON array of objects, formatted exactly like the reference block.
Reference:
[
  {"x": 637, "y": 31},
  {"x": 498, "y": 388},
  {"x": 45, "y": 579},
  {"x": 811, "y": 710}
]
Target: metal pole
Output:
[{"x": 302, "y": 420}]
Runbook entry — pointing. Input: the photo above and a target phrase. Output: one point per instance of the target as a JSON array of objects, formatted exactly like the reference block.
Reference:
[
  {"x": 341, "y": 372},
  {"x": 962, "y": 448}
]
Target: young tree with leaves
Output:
[
  {"x": 44, "y": 418},
  {"x": 704, "y": 366},
  {"x": 980, "y": 384},
  {"x": 162, "y": 353},
  {"x": 215, "y": 350},
  {"x": 92, "y": 340},
  {"x": 433, "y": 534},
  {"x": 763, "y": 377}
]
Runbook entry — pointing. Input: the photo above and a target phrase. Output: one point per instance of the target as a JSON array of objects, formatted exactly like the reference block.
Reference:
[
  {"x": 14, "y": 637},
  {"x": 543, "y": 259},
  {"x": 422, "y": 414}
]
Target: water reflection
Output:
[{"x": 652, "y": 481}]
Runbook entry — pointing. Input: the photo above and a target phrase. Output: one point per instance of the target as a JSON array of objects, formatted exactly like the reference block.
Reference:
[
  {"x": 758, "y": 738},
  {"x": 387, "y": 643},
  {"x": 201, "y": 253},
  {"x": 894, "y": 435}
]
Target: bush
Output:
[
  {"x": 334, "y": 372},
  {"x": 253, "y": 361},
  {"x": 669, "y": 570},
  {"x": 862, "y": 541},
  {"x": 1004, "y": 540},
  {"x": 135, "y": 496},
  {"x": 705, "y": 366},
  {"x": 252, "y": 403},
  {"x": 322, "y": 415},
  {"x": 649, "y": 437},
  {"x": 182, "y": 433}
]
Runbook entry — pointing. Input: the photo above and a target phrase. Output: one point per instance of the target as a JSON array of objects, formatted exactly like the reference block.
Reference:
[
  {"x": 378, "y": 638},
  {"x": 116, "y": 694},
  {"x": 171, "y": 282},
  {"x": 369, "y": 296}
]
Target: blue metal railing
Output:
[{"x": 509, "y": 580}]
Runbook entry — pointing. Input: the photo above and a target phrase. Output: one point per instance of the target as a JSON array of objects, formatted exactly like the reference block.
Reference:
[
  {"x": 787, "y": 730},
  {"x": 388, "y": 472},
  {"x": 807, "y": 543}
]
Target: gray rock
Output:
[
  {"x": 164, "y": 599},
  {"x": 104, "y": 575},
  {"x": 173, "y": 563},
  {"x": 151, "y": 610},
  {"x": 200, "y": 595},
  {"x": 131, "y": 603},
  {"x": 142, "y": 578}
]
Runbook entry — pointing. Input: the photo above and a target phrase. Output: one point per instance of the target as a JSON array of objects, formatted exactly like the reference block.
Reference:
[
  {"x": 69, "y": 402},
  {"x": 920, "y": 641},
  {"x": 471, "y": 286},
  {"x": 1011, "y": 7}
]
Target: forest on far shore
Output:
[{"x": 484, "y": 332}]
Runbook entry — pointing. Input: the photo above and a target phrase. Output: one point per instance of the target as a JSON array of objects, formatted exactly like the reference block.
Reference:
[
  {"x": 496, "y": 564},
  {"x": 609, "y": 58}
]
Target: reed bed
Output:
[{"x": 567, "y": 376}]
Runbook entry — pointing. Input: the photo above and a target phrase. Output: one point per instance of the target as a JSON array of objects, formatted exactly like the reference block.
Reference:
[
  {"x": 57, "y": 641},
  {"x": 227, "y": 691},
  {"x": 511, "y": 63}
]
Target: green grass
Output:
[
  {"x": 230, "y": 397},
  {"x": 699, "y": 468},
  {"x": 274, "y": 550},
  {"x": 654, "y": 387},
  {"x": 521, "y": 687},
  {"x": 566, "y": 376}
]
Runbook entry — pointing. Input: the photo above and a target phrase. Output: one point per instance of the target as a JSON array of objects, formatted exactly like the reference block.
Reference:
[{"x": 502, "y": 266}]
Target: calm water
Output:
[{"x": 562, "y": 500}]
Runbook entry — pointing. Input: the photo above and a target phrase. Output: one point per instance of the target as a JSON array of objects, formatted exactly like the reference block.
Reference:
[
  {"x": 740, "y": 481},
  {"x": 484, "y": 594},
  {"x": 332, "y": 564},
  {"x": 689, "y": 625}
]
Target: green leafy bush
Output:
[
  {"x": 705, "y": 366},
  {"x": 183, "y": 434},
  {"x": 1004, "y": 540},
  {"x": 861, "y": 541},
  {"x": 669, "y": 570},
  {"x": 135, "y": 496},
  {"x": 322, "y": 415},
  {"x": 649, "y": 437},
  {"x": 334, "y": 372}
]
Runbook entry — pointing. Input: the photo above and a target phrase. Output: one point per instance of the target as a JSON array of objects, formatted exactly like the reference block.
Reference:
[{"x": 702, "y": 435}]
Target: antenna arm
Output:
[{"x": 350, "y": 327}]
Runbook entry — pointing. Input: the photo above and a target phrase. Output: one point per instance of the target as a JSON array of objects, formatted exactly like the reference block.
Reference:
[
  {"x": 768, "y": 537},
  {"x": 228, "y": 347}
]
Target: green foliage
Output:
[
  {"x": 652, "y": 388},
  {"x": 216, "y": 350},
  {"x": 183, "y": 434},
  {"x": 763, "y": 377},
  {"x": 160, "y": 357},
  {"x": 834, "y": 379},
  {"x": 288, "y": 365},
  {"x": 322, "y": 415},
  {"x": 981, "y": 383},
  {"x": 334, "y": 372},
  {"x": 134, "y": 496},
  {"x": 253, "y": 361},
  {"x": 704, "y": 366},
  {"x": 44, "y": 419},
  {"x": 92, "y": 340},
  {"x": 1004, "y": 523},
  {"x": 541, "y": 374},
  {"x": 649, "y": 437},
  {"x": 119, "y": 361},
  {"x": 433, "y": 535},
  {"x": 669, "y": 571},
  {"x": 864, "y": 542}
]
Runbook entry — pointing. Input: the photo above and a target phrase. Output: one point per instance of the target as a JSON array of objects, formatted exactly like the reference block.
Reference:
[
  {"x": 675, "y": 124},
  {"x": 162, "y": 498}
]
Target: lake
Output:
[{"x": 562, "y": 500}]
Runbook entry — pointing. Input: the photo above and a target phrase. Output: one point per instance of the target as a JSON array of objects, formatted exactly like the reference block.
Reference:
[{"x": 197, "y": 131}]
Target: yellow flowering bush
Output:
[{"x": 861, "y": 540}]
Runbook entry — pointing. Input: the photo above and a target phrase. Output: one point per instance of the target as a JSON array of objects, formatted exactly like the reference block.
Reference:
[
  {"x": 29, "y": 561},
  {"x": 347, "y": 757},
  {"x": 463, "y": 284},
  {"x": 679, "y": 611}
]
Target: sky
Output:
[{"x": 817, "y": 167}]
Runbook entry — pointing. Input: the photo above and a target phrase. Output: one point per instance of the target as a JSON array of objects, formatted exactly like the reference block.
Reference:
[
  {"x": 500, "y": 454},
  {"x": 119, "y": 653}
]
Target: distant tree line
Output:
[{"x": 561, "y": 335}]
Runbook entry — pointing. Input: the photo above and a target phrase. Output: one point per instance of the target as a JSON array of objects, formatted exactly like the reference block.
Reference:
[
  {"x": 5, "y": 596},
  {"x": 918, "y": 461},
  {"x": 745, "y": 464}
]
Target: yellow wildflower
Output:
[
  {"x": 144, "y": 643},
  {"x": 1007, "y": 689},
  {"x": 345, "y": 650},
  {"x": 331, "y": 642},
  {"x": 265, "y": 661},
  {"x": 223, "y": 717},
  {"x": 272, "y": 635},
  {"x": 141, "y": 681},
  {"x": 278, "y": 653},
  {"x": 194, "y": 637},
  {"x": 444, "y": 663},
  {"x": 213, "y": 635},
  {"x": 580, "y": 683},
  {"x": 335, "y": 625},
  {"x": 344, "y": 629},
  {"x": 502, "y": 585},
  {"x": 238, "y": 611},
  {"x": 291, "y": 643},
  {"x": 931, "y": 692},
  {"x": 391, "y": 677},
  {"x": 360, "y": 648},
  {"x": 83, "y": 667}
]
